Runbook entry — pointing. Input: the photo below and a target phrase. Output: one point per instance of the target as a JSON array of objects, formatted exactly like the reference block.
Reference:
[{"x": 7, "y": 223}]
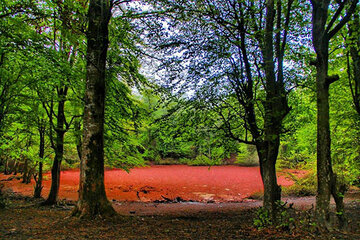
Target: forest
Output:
[{"x": 122, "y": 84}]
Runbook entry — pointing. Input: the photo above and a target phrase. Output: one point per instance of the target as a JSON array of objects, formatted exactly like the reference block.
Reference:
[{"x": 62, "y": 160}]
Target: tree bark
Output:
[
  {"x": 16, "y": 166},
  {"x": 38, "y": 180},
  {"x": 272, "y": 191},
  {"x": 324, "y": 168},
  {"x": 321, "y": 36},
  {"x": 275, "y": 104},
  {"x": 6, "y": 167},
  {"x": 26, "y": 170},
  {"x": 78, "y": 140},
  {"x": 356, "y": 78},
  {"x": 59, "y": 151},
  {"x": 354, "y": 75},
  {"x": 92, "y": 197},
  {"x": 276, "y": 108}
]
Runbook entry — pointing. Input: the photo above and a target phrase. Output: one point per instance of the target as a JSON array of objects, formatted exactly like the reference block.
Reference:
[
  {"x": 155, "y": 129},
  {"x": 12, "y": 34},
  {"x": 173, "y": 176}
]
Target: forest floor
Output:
[
  {"x": 167, "y": 202},
  {"x": 24, "y": 218}
]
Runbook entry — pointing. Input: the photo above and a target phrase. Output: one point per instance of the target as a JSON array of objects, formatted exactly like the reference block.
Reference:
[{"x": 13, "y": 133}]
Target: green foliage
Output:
[
  {"x": 305, "y": 186},
  {"x": 262, "y": 219},
  {"x": 297, "y": 145},
  {"x": 179, "y": 130},
  {"x": 247, "y": 155},
  {"x": 201, "y": 160},
  {"x": 283, "y": 218}
]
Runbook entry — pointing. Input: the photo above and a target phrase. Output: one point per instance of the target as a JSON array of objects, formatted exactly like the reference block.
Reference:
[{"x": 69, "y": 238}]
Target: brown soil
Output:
[{"x": 24, "y": 218}]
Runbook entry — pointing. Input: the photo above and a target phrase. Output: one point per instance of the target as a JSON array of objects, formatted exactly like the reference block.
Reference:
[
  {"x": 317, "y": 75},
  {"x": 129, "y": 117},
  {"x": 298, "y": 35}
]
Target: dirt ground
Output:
[{"x": 24, "y": 218}]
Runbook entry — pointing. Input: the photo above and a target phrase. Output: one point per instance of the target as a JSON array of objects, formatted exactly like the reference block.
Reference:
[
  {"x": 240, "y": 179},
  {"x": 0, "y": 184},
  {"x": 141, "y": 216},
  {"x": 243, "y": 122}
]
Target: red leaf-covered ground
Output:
[{"x": 147, "y": 184}]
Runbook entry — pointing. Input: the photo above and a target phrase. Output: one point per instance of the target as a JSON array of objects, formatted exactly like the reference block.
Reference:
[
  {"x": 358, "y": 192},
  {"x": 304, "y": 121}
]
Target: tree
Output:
[
  {"x": 63, "y": 55},
  {"x": 233, "y": 53},
  {"x": 322, "y": 32},
  {"x": 354, "y": 64},
  {"x": 92, "y": 197},
  {"x": 15, "y": 53},
  {"x": 38, "y": 177}
]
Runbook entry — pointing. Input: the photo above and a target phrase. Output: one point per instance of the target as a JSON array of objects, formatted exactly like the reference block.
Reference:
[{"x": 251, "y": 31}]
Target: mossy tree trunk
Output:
[
  {"x": 275, "y": 105},
  {"x": 92, "y": 197},
  {"x": 322, "y": 32}
]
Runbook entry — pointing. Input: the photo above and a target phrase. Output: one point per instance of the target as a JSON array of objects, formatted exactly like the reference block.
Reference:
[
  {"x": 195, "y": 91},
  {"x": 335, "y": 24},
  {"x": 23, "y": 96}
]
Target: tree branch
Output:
[
  {"x": 344, "y": 20},
  {"x": 332, "y": 79}
]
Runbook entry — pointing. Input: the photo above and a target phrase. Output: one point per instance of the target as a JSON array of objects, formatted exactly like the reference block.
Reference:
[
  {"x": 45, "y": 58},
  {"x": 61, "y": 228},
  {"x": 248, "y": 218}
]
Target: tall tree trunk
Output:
[
  {"x": 324, "y": 168},
  {"x": 6, "y": 167},
  {"x": 354, "y": 75},
  {"x": 275, "y": 106},
  {"x": 38, "y": 179},
  {"x": 321, "y": 36},
  {"x": 78, "y": 140},
  {"x": 59, "y": 152},
  {"x": 16, "y": 166},
  {"x": 26, "y": 170},
  {"x": 38, "y": 182},
  {"x": 272, "y": 191},
  {"x": 92, "y": 196}
]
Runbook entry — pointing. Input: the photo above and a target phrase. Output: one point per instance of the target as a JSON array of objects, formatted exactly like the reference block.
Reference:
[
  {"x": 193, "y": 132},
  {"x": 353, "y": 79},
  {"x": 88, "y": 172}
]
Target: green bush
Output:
[
  {"x": 296, "y": 160},
  {"x": 262, "y": 219},
  {"x": 247, "y": 156},
  {"x": 283, "y": 218},
  {"x": 305, "y": 186},
  {"x": 201, "y": 160}
]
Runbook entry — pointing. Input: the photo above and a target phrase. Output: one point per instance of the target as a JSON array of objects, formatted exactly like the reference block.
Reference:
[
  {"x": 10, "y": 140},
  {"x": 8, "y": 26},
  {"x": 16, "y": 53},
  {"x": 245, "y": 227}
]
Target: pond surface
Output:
[{"x": 147, "y": 184}]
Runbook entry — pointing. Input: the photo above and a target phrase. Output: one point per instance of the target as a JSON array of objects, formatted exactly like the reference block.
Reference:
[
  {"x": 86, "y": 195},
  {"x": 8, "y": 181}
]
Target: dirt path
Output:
[
  {"x": 148, "y": 184},
  {"x": 24, "y": 218},
  {"x": 189, "y": 208}
]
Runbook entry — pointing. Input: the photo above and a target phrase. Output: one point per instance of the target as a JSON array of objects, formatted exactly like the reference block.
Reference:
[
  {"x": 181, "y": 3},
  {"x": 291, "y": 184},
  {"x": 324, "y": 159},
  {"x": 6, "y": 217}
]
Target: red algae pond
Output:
[{"x": 157, "y": 183}]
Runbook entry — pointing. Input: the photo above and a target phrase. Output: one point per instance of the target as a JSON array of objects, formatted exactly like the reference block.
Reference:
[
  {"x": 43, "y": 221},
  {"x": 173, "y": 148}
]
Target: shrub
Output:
[
  {"x": 305, "y": 186},
  {"x": 201, "y": 160},
  {"x": 247, "y": 156},
  {"x": 283, "y": 218}
]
